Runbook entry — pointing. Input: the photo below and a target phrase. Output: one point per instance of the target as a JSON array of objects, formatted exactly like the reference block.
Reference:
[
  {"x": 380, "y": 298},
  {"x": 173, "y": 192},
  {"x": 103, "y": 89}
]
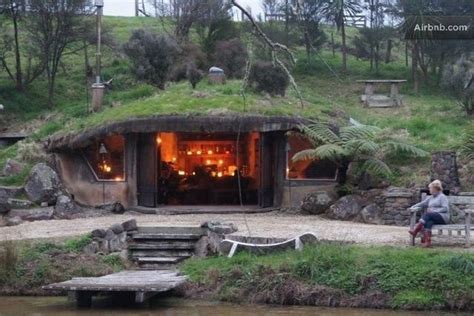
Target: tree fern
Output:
[
  {"x": 376, "y": 167},
  {"x": 393, "y": 146},
  {"x": 358, "y": 132}
]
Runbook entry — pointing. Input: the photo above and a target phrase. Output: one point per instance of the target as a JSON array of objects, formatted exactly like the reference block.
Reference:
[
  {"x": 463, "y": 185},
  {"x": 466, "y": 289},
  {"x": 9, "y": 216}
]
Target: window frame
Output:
[{"x": 97, "y": 179}]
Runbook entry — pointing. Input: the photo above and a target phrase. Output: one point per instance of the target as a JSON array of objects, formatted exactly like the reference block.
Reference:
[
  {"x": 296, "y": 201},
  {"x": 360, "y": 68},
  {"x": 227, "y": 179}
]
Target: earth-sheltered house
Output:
[{"x": 190, "y": 159}]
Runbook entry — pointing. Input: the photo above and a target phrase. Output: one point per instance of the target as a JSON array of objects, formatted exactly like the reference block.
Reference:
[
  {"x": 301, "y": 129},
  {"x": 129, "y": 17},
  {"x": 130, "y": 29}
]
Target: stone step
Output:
[
  {"x": 160, "y": 253},
  {"x": 157, "y": 266},
  {"x": 165, "y": 236},
  {"x": 172, "y": 230},
  {"x": 163, "y": 245},
  {"x": 159, "y": 260}
]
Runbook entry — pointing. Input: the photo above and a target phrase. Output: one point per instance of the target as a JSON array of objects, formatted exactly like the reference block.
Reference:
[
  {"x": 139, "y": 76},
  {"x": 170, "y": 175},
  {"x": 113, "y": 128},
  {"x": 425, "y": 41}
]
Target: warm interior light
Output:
[
  {"x": 219, "y": 174},
  {"x": 221, "y": 161},
  {"x": 210, "y": 152},
  {"x": 181, "y": 173},
  {"x": 174, "y": 159},
  {"x": 208, "y": 162},
  {"x": 189, "y": 153},
  {"x": 158, "y": 140},
  {"x": 105, "y": 167},
  {"x": 118, "y": 179},
  {"x": 199, "y": 152}
]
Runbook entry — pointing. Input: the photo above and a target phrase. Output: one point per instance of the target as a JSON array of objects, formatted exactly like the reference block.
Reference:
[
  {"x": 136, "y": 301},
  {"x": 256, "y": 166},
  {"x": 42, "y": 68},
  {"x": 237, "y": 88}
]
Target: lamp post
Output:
[{"x": 98, "y": 87}]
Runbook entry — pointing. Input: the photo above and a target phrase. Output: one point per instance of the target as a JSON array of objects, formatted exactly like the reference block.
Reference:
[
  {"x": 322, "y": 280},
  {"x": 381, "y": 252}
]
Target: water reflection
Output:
[{"x": 55, "y": 306}]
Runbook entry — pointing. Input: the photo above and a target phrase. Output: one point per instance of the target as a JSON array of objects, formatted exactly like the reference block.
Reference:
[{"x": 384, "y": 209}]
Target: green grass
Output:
[
  {"x": 415, "y": 278},
  {"x": 430, "y": 119}
]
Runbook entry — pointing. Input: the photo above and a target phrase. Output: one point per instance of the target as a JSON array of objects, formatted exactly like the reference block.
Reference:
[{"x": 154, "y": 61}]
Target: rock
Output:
[
  {"x": 19, "y": 204},
  {"x": 130, "y": 225},
  {"x": 10, "y": 192},
  {"x": 219, "y": 228},
  {"x": 13, "y": 221},
  {"x": 12, "y": 168},
  {"x": 109, "y": 234},
  {"x": 4, "y": 206},
  {"x": 371, "y": 214},
  {"x": 34, "y": 214},
  {"x": 65, "y": 207},
  {"x": 91, "y": 248},
  {"x": 116, "y": 228},
  {"x": 118, "y": 243},
  {"x": 124, "y": 255},
  {"x": 317, "y": 202},
  {"x": 201, "y": 248},
  {"x": 43, "y": 184},
  {"x": 346, "y": 208},
  {"x": 98, "y": 233},
  {"x": 104, "y": 246},
  {"x": 116, "y": 207}
]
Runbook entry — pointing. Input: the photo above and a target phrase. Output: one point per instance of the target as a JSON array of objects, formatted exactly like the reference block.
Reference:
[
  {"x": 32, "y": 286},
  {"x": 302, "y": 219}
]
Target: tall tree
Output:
[
  {"x": 309, "y": 15},
  {"x": 54, "y": 26},
  {"x": 336, "y": 10}
]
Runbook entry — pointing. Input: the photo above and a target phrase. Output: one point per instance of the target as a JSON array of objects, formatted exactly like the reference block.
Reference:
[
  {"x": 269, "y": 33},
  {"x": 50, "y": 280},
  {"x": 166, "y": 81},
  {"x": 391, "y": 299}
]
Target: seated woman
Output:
[{"x": 437, "y": 212}]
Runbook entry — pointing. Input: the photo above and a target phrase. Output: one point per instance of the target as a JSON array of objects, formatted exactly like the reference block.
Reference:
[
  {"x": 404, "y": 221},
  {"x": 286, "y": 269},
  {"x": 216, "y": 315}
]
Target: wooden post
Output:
[{"x": 83, "y": 299}]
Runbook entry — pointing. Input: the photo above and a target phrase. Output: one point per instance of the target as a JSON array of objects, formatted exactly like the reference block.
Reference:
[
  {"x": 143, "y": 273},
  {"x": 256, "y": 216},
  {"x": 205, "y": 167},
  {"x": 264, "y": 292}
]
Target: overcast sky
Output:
[{"x": 127, "y": 7}]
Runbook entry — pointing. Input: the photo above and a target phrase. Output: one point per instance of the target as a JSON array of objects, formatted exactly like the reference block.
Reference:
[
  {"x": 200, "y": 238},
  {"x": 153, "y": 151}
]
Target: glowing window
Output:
[
  {"x": 307, "y": 169},
  {"x": 106, "y": 158}
]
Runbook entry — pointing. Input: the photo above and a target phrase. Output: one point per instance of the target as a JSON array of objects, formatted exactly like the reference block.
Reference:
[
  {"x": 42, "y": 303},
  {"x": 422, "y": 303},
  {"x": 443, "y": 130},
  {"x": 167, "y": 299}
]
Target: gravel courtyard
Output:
[{"x": 259, "y": 225}]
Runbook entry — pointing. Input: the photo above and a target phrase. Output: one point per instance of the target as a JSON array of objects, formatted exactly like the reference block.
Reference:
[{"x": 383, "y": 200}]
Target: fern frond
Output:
[
  {"x": 307, "y": 154},
  {"x": 360, "y": 146},
  {"x": 320, "y": 132},
  {"x": 376, "y": 167},
  {"x": 393, "y": 147},
  {"x": 358, "y": 132}
]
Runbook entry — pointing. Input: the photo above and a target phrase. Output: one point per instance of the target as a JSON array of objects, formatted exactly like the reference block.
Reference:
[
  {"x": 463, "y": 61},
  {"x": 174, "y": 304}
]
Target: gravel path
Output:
[{"x": 260, "y": 225}]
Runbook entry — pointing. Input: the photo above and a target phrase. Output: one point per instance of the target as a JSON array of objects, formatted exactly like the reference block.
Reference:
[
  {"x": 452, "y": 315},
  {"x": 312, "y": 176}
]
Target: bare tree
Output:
[{"x": 53, "y": 27}]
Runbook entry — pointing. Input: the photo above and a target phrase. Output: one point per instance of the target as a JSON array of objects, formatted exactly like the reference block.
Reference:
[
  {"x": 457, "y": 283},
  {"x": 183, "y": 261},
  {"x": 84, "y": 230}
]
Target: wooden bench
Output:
[
  {"x": 375, "y": 100},
  {"x": 466, "y": 227},
  {"x": 231, "y": 247}
]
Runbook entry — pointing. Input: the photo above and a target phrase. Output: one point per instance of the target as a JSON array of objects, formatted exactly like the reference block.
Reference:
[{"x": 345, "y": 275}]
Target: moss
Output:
[{"x": 78, "y": 244}]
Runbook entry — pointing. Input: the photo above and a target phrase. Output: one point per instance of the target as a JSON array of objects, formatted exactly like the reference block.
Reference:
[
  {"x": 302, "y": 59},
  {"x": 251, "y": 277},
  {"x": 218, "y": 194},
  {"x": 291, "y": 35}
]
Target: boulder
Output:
[
  {"x": 116, "y": 207},
  {"x": 12, "y": 168},
  {"x": 118, "y": 243},
  {"x": 19, "y": 204},
  {"x": 4, "y": 206},
  {"x": 10, "y": 192},
  {"x": 317, "y": 202},
  {"x": 109, "y": 234},
  {"x": 130, "y": 225},
  {"x": 346, "y": 208},
  {"x": 33, "y": 214},
  {"x": 13, "y": 221},
  {"x": 98, "y": 233},
  {"x": 91, "y": 248},
  {"x": 65, "y": 207},
  {"x": 116, "y": 228},
  {"x": 371, "y": 214},
  {"x": 43, "y": 184},
  {"x": 219, "y": 228}
]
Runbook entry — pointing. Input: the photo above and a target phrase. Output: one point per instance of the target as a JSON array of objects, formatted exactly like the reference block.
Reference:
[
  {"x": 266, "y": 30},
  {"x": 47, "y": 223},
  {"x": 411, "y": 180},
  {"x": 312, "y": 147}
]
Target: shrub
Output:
[
  {"x": 190, "y": 54},
  {"x": 151, "y": 55},
  {"x": 193, "y": 75},
  {"x": 77, "y": 244},
  {"x": 231, "y": 56},
  {"x": 467, "y": 148},
  {"x": 269, "y": 78},
  {"x": 458, "y": 80}
]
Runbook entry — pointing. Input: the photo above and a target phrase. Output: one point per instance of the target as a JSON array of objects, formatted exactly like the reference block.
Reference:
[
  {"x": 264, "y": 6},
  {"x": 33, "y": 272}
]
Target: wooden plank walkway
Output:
[{"x": 143, "y": 283}]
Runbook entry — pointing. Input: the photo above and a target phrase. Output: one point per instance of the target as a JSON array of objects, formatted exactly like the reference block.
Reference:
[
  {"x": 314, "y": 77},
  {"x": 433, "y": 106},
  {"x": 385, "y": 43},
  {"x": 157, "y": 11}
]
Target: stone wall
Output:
[
  {"x": 444, "y": 167},
  {"x": 393, "y": 205}
]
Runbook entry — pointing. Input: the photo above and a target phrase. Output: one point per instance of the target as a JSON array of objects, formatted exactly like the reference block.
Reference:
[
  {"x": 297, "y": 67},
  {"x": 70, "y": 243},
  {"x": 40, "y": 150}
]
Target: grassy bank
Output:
[
  {"x": 339, "y": 275},
  {"x": 25, "y": 267}
]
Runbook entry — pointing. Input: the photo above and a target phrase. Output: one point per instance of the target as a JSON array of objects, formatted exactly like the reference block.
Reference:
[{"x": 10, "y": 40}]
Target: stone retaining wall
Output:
[{"x": 444, "y": 167}]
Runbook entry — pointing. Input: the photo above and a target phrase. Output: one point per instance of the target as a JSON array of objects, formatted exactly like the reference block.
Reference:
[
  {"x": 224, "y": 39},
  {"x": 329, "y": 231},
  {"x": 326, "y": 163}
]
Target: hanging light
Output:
[{"x": 103, "y": 150}]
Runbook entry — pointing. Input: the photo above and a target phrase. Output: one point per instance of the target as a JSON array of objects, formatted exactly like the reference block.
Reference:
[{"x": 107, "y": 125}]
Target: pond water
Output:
[{"x": 55, "y": 306}]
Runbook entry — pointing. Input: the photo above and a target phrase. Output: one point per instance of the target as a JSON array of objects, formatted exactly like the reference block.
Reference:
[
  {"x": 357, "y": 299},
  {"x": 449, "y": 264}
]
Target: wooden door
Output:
[
  {"x": 266, "y": 191},
  {"x": 147, "y": 168}
]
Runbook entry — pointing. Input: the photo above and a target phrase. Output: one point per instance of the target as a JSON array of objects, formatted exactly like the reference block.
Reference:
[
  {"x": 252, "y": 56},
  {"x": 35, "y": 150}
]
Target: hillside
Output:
[{"x": 430, "y": 119}]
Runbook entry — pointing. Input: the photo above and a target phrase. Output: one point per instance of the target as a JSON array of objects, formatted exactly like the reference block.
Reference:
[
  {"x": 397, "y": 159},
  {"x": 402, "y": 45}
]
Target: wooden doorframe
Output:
[
  {"x": 147, "y": 170},
  {"x": 266, "y": 190}
]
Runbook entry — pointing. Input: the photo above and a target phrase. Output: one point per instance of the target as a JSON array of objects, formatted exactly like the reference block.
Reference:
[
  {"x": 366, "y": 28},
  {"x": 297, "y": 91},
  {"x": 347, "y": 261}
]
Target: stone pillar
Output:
[
  {"x": 394, "y": 204},
  {"x": 444, "y": 168}
]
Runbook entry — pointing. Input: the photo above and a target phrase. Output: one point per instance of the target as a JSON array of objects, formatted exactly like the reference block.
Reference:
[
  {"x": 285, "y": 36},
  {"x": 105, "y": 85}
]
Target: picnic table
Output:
[{"x": 371, "y": 99}]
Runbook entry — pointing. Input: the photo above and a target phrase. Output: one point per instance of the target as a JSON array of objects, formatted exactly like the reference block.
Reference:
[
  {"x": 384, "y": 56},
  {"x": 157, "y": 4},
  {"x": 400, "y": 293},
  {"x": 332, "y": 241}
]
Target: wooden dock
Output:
[{"x": 144, "y": 284}]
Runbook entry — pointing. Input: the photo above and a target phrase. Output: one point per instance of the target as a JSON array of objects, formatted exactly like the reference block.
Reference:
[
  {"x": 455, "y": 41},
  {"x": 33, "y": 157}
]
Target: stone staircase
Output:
[{"x": 161, "y": 248}]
